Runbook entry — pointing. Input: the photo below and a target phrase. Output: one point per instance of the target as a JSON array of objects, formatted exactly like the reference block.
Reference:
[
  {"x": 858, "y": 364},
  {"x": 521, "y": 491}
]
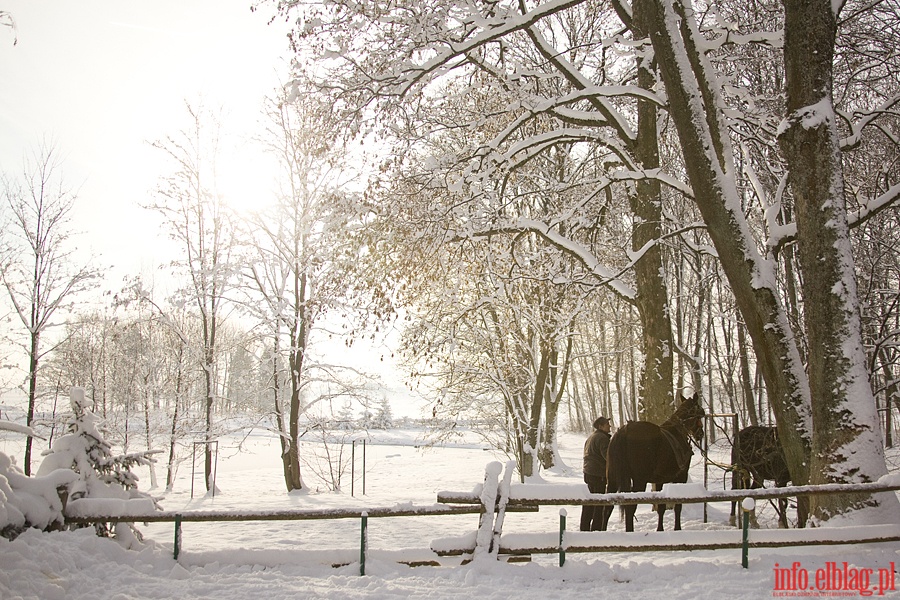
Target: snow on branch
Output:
[
  {"x": 788, "y": 232},
  {"x": 874, "y": 206},
  {"x": 580, "y": 82},
  {"x": 774, "y": 39},
  {"x": 864, "y": 119},
  {"x": 24, "y": 429},
  {"x": 559, "y": 107},
  {"x": 605, "y": 275},
  {"x": 522, "y": 152},
  {"x": 493, "y": 31}
]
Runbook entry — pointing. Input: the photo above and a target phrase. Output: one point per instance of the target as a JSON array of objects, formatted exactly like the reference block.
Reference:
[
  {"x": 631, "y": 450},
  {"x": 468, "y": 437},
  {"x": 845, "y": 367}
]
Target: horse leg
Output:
[
  {"x": 606, "y": 511},
  {"x": 782, "y": 513},
  {"x": 739, "y": 481},
  {"x": 660, "y": 509},
  {"x": 629, "y": 516},
  {"x": 735, "y": 483},
  {"x": 782, "y": 507},
  {"x": 637, "y": 486},
  {"x": 677, "y": 517}
]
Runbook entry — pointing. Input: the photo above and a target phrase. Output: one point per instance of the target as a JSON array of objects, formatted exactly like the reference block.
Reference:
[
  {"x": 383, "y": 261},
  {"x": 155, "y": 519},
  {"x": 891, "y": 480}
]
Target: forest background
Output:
[{"x": 565, "y": 209}]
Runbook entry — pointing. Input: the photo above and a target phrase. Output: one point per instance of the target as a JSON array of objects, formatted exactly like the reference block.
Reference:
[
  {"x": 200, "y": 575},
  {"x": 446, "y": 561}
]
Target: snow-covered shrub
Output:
[
  {"x": 30, "y": 501},
  {"x": 100, "y": 475}
]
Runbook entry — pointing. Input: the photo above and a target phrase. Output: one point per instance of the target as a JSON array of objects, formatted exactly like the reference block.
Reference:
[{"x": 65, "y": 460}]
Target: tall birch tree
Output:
[{"x": 39, "y": 270}]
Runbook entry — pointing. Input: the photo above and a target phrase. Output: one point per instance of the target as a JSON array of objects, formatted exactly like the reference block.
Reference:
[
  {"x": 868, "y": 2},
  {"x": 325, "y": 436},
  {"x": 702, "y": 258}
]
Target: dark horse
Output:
[
  {"x": 757, "y": 456},
  {"x": 642, "y": 452}
]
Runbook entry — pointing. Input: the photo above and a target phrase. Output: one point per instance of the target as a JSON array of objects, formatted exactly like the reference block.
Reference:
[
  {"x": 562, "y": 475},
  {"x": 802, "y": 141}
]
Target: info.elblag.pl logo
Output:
[{"x": 832, "y": 579}]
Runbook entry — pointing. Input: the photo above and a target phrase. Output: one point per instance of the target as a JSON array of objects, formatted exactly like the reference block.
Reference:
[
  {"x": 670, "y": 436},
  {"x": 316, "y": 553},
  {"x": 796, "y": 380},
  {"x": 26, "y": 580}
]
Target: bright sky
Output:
[{"x": 103, "y": 78}]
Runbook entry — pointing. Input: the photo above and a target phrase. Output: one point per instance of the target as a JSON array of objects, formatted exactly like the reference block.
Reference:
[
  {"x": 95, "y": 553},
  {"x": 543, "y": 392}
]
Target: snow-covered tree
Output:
[
  {"x": 198, "y": 220},
  {"x": 383, "y": 418},
  {"x": 100, "y": 473},
  {"x": 304, "y": 251},
  {"x": 396, "y": 61},
  {"x": 37, "y": 267}
]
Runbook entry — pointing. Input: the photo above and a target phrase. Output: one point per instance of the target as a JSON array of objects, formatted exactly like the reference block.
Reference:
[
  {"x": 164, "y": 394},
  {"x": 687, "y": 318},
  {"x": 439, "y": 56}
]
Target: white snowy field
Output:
[{"x": 293, "y": 559}]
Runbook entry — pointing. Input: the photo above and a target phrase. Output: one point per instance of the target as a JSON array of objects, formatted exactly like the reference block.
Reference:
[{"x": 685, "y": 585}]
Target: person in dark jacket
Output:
[{"x": 595, "y": 471}]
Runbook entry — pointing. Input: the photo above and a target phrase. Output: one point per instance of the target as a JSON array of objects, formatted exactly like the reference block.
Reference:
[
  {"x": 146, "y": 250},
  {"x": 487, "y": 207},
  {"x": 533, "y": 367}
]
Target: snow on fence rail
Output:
[
  {"x": 86, "y": 511},
  {"x": 86, "y": 514},
  {"x": 498, "y": 496}
]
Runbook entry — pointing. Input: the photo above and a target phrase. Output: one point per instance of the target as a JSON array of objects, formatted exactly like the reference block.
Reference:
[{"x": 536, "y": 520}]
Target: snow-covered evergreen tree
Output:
[
  {"x": 383, "y": 418},
  {"x": 101, "y": 474}
]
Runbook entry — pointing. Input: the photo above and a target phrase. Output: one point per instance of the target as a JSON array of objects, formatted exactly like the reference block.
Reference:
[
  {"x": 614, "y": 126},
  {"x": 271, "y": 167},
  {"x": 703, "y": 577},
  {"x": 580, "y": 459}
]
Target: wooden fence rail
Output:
[
  {"x": 523, "y": 544},
  {"x": 529, "y": 498},
  {"x": 86, "y": 512},
  {"x": 524, "y": 494},
  {"x": 562, "y": 542}
]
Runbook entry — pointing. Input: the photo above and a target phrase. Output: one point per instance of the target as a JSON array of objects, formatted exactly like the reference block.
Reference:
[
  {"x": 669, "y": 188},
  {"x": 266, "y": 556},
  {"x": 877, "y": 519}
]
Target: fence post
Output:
[
  {"x": 562, "y": 536},
  {"x": 177, "y": 536},
  {"x": 363, "y": 542},
  {"x": 747, "y": 504}
]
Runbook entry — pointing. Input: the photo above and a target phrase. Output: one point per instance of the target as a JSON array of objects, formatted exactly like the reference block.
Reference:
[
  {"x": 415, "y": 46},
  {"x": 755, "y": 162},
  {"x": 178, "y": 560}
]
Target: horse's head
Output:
[{"x": 690, "y": 413}]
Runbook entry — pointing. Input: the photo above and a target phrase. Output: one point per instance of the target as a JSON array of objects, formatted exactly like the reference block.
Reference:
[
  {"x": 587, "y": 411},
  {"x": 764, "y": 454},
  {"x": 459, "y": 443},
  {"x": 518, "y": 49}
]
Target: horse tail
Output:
[{"x": 735, "y": 462}]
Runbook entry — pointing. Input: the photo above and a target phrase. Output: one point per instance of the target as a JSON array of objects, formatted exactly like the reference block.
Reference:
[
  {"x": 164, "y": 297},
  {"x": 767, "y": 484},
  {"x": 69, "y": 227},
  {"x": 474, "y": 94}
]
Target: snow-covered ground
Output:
[{"x": 293, "y": 559}]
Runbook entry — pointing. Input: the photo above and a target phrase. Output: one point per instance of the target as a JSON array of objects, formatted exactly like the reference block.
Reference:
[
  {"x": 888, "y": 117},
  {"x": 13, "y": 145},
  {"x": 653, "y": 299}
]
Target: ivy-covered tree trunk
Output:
[{"x": 846, "y": 443}]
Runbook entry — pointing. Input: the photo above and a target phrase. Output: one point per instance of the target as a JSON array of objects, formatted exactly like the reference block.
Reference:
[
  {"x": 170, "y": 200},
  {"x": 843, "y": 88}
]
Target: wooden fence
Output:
[
  {"x": 503, "y": 497},
  {"x": 86, "y": 512},
  {"x": 501, "y": 543}
]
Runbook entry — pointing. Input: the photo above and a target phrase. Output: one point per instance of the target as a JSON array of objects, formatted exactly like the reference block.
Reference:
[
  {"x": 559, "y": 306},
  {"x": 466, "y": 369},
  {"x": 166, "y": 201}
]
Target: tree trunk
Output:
[
  {"x": 891, "y": 397},
  {"x": 32, "y": 396},
  {"x": 280, "y": 425},
  {"x": 537, "y": 400},
  {"x": 173, "y": 432},
  {"x": 746, "y": 386},
  {"x": 550, "y": 456},
  {"x": 207, "y": 454},
  {"x": 299, "y": 339},
  {"x": 846, "y": 444},
  {"x": 656, "y": 389},
  {"x": 694, "y": 107}
]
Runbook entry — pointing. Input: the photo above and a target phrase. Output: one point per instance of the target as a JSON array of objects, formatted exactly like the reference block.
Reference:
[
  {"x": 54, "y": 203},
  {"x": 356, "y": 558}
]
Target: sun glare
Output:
[{"x": 246, "y": 177}]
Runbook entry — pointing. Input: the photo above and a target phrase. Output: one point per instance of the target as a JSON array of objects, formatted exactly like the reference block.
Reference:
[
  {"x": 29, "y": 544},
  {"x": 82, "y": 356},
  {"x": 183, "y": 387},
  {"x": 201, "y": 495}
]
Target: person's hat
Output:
[{"x": 600, "y": 422}]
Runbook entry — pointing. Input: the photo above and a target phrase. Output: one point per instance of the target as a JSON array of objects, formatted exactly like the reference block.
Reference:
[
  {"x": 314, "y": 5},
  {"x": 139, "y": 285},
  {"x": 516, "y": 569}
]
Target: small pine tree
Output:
[{"x": 383, "y": 418}]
